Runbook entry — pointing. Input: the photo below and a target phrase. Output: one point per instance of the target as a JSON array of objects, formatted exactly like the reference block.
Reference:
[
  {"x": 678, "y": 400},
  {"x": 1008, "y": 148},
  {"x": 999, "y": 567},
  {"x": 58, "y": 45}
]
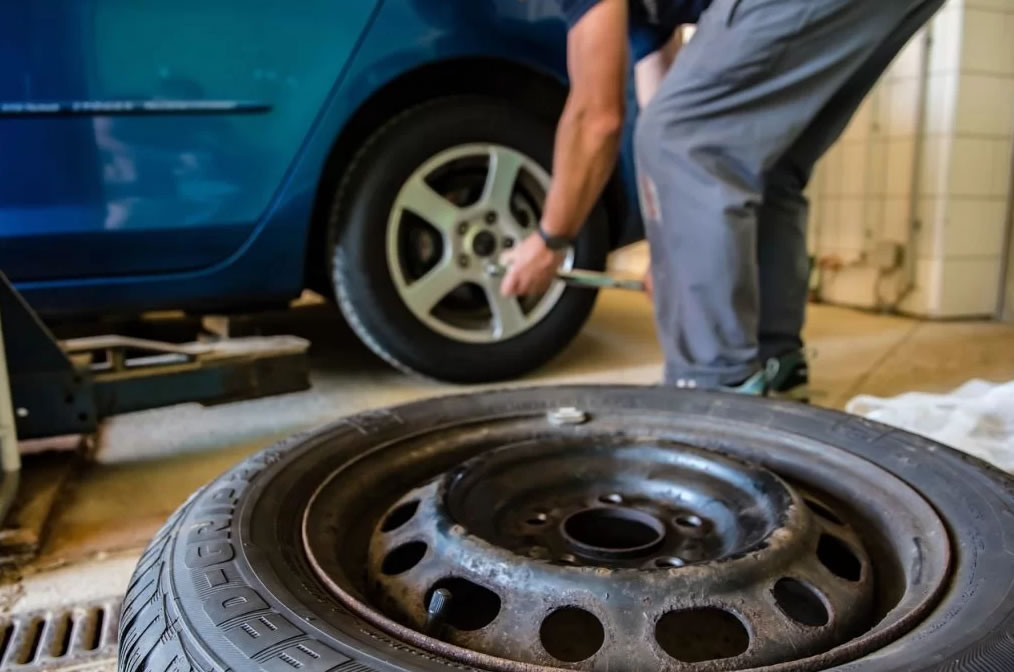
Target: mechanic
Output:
[{"x": 724, "y": 151}]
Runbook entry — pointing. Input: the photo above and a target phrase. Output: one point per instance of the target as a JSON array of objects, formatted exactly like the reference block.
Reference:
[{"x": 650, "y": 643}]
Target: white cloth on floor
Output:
[{"x": 977, "y": 418}]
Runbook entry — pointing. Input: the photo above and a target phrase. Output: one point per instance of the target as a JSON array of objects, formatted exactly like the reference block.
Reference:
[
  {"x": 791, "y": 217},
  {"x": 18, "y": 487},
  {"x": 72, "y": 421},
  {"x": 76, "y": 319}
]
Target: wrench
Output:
[{"x": 582, "y": 279}]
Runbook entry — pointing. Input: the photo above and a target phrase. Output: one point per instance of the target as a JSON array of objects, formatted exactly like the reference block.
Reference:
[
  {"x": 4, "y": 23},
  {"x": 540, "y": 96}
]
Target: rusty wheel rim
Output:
[{"x": 614, "y": 544}]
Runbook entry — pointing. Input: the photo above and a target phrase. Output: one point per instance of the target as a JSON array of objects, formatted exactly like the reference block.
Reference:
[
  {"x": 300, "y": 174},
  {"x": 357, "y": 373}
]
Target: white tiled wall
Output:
[{"x": 862, "y": 189}]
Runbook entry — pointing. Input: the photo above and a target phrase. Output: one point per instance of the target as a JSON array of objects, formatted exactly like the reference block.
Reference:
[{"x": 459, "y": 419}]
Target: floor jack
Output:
[{"x": 51, "y": 388}]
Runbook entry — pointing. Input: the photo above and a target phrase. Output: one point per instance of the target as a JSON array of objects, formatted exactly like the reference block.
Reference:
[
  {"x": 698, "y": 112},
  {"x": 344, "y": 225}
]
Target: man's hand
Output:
[{"x": 531, "y": 268}]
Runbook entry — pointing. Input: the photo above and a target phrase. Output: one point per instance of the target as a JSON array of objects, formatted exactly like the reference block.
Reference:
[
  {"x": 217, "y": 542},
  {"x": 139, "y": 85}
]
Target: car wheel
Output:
[
  {"x": 586, "y": 528},
  {"x": 432, "y": 199}
]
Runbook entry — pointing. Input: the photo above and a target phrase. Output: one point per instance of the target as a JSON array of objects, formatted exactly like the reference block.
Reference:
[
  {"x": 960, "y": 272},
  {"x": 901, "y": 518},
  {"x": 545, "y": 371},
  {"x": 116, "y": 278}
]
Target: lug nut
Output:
[
  {"x": 462, "y": 228},
  {"x": 491, "y": 217},
  {"x": 508, "y": 243},
  {"x": 463, "y": 261},
  {"x": 568, "y": 415}
]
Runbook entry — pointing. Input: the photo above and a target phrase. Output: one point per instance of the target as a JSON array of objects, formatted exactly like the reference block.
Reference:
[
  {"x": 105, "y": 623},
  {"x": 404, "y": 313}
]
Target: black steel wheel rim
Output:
[{"x": 742, "y": 548}]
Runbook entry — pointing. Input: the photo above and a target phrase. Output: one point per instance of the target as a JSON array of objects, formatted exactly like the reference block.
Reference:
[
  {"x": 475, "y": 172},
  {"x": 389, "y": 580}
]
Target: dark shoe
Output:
[{"x": 788, "y": 377}]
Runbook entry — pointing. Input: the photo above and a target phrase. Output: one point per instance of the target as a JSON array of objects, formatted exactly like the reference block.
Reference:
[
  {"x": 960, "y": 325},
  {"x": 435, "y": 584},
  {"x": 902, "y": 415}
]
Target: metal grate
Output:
[{"x": 49, "y": 639}]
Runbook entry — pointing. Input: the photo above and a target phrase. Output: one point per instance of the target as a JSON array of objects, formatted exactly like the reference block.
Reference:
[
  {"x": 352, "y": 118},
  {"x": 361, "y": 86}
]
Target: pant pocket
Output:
[{"x": 750, "y": 38}]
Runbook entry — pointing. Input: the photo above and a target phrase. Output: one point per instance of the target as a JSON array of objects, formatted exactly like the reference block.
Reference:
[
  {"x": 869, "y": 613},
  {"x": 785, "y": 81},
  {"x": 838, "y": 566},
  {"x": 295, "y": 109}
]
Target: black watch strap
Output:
[{"x": 555, "y": 243}]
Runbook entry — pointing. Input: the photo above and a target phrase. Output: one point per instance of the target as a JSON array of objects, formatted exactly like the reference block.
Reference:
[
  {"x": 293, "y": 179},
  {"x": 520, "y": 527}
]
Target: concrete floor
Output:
[{"x": 147, "y": 463}]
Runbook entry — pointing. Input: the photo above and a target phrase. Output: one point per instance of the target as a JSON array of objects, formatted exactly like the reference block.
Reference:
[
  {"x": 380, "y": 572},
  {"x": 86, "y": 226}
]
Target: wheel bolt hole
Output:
[
  {"x": 836, "y": 555},
  {"x": 399, "y": 516},
  {"x": 700, "y": 635},
  {"x": 670, "y": 562},
  {"x": 800, "y": 602},
  {"x": 403, "y": 558},
  {"x": 612, "y": 498},
  {"x": 538, "y": 520},
  {"x": 689, "y": 522},
  {"x": 571, "y": 634}
]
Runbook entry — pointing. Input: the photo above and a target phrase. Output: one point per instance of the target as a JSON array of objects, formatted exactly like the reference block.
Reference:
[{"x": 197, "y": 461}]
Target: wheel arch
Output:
[{"x": 541, "y": 93}]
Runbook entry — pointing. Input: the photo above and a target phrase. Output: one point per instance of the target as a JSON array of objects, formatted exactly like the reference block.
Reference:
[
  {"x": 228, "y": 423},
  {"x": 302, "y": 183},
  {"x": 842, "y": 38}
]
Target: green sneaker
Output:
[
  {"x": 754, "y": 386},
  {"x": 788, "y": 377}
]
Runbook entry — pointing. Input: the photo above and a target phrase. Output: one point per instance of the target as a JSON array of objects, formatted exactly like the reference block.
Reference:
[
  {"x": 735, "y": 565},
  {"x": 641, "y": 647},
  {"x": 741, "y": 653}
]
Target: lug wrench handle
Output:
[{"x": 583, "y": 279}]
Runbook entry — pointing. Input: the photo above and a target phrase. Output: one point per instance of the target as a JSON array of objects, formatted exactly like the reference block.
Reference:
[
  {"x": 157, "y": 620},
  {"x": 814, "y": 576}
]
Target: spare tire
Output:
[{"x": 589, "y": 528}]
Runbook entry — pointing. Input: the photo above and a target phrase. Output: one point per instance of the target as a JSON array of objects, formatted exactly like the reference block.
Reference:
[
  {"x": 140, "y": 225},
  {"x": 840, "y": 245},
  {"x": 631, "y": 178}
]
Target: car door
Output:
[{"x": 147, "y": 137}]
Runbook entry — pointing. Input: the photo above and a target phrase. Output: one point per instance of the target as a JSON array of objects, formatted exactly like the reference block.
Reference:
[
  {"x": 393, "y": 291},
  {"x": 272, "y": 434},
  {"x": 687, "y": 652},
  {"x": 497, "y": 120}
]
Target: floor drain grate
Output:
[{"x": 45, "y": 640}]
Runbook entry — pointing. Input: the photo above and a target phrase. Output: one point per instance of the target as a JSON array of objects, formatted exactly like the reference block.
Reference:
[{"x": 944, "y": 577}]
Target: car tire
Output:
[
  {"x": 359, "y": 246},
  {"x": 227, "y": 584}
]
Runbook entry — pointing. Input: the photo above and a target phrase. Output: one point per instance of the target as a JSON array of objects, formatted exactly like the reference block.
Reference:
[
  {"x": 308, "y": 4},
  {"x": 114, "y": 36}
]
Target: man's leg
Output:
[
  {"x": 753, "y": 79},
  {"x": 782, "y": 218}
]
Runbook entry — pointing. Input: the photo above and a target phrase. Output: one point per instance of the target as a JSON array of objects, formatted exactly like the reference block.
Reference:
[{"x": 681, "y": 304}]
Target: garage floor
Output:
[{"x": 147, "y": 463}]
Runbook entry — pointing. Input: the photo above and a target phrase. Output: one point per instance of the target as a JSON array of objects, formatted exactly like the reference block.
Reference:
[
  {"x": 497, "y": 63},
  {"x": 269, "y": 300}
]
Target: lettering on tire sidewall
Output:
[{"x": 241, "y": 615}]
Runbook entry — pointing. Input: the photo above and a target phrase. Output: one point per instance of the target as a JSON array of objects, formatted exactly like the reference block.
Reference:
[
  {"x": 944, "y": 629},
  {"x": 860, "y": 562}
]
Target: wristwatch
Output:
[{"x": 554, "y": 243}]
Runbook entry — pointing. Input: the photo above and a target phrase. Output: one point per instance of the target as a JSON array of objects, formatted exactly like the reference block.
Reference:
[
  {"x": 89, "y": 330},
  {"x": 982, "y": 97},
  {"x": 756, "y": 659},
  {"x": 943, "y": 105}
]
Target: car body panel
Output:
[{"x": 140, "y": 177}]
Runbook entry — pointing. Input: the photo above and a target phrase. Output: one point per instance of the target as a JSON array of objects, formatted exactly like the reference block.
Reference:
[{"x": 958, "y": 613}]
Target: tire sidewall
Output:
[{"x": 358, "y": 243}]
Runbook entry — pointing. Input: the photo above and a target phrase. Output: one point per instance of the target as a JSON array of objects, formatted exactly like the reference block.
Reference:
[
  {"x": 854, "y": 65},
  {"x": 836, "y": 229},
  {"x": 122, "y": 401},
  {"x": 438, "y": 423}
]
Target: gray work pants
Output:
[{"x": 724, "y": 152}]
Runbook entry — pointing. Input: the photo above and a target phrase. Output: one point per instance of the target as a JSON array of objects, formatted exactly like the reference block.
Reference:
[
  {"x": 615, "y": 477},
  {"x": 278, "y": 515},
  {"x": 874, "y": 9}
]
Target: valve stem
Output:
[{"x": 436, "y": 612}]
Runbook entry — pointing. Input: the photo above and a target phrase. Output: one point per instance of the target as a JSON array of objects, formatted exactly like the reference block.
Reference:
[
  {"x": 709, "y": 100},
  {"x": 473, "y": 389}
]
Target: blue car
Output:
[{"x": 227, "y": 155}]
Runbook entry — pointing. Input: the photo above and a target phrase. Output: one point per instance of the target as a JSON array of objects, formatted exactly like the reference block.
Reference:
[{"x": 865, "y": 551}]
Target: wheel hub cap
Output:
[
  {"x": 454, "y": 212},
  {"x": 483, "y": 244}
]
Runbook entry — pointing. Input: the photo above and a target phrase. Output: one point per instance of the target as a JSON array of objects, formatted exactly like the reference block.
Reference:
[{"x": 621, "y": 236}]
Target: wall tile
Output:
[
  {"x": 1001, "y": 184},
  {"x": 945, "y": 54},
  {"x": 851, "y": 225},
  {"x": 932, "y": 220},
  {"x": 941, "y": 100},
  {"x": 853, "y": 169},
  {"x": 1001, "y": 5},
  {"x": 904, "y": 107},
  {"x": 827, "y": 238},
  {"x": 909, "y": 61},
  {"x": 880, "y": 108},
  {"x": 873, "y": 217},
  {"x": 935, "y": 165},
  {"x": 876, "y": 167},
  {"x": 975, "y": 227},
  {"x": 985, "y": 104},
  {"x": 1008, "y": 55},
  {"x": 900, "y": 157},
  {"x": 924, "y": 299},
  {"x": 896, "y": 219},
  {"x": 971, "y": 167},
  {"x": 854, "y": 286},
  {"x": 983, "y": 45},
  {"x": 969, "y": 287}
]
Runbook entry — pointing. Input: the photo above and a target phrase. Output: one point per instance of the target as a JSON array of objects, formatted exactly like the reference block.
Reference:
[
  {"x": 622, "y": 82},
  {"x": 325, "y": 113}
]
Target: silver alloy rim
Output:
[{"x": 461, "y": 229}]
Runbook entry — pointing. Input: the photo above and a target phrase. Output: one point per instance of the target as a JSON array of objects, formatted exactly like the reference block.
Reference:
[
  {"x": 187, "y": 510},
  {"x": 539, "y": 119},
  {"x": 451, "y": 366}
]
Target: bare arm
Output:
[
  {"x": 588, "y": 136},
  {"x": 587, "y": 142}
]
